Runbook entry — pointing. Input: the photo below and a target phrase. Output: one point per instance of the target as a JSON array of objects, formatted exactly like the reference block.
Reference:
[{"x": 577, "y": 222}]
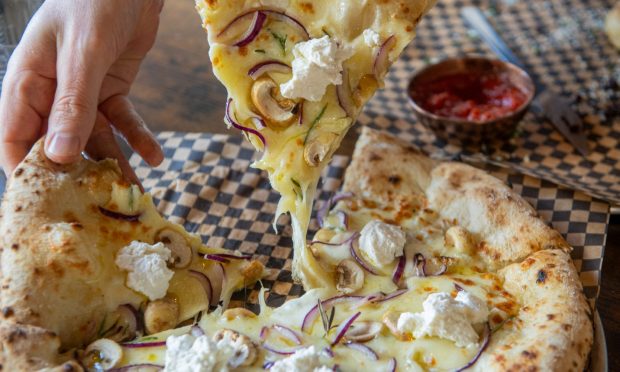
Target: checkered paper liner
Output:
[
  {"x": 206, "y": 184},
  {"x": 563, "y": 44}
]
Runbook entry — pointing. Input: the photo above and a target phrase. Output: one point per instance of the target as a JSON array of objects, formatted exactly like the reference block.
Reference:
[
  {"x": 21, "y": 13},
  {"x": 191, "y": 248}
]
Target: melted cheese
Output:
[
  {"x": 322, "y": 120},
  {"x": 417, "y": 354}
]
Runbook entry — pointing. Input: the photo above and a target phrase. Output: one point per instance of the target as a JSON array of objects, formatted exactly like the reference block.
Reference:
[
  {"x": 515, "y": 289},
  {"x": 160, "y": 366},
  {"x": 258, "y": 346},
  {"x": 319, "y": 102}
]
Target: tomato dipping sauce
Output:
[{"x": 474, "y": 95}]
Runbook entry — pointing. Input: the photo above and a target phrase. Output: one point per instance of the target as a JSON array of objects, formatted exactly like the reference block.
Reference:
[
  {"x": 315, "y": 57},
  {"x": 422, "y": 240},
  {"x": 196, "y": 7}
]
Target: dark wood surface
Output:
[{"x": 176, "y": 90}]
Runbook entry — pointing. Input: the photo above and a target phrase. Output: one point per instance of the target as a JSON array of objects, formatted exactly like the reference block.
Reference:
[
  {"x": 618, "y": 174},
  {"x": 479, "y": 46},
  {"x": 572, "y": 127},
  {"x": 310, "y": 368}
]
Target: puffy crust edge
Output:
[{"x": 553, "y": 330}]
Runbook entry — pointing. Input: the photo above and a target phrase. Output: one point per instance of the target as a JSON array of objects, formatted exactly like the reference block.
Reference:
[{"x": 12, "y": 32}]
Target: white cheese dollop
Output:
[
  {"x": 304, "y": 360},
  {"x": 317, "y": 64},
  {"x": 200, "y": 354},
  {"x": 147, "y": 268},
  {"x": 371, "y": 38},
  {"x": 448, "y": 318},
  {"x": 381, "y": 243}
]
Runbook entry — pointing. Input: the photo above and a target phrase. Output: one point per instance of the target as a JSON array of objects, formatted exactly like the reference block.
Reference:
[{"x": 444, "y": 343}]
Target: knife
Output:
[{"x": 555, "y": 107}]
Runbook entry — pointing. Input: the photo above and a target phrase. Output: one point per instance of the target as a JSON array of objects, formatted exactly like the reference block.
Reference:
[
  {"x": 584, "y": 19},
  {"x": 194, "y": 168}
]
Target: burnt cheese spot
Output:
[
  {"x": 541, "y": 277},
  {"x": 375, "y": 157},
  {"x": 529, "y": 354},
  {"x": 14, "y": 246},
  {"x": 18, "y": 172},
  {"x": 550, "y": 316}
]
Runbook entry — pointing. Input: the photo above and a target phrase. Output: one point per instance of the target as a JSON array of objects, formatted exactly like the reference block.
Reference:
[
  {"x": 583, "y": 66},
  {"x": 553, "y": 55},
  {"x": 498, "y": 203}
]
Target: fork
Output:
[{"x": 555, "y": 107}]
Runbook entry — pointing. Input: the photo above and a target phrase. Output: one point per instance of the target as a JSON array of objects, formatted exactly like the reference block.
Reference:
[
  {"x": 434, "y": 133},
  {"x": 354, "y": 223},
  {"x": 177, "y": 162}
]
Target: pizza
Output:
[
  {"x": 470, "y": 278},
  {"x": 297, "y": 74},
  {"x": 86, "y": 255}
]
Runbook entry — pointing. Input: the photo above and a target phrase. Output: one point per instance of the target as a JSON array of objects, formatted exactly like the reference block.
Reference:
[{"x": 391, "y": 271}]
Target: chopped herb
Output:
[
  {"x": 148, "y": 338},
  {"x": 297, "y": 189},
  {"x": 314, "y": 122},
  {"x": 262, "y": 51},
  {"x": 281, "y": 40},
  {"x": 327, "y": 321}
]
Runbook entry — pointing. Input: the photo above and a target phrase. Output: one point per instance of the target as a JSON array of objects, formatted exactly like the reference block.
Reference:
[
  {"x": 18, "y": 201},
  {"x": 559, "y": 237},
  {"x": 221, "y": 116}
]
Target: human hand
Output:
[{"x": 69, "y": 79}]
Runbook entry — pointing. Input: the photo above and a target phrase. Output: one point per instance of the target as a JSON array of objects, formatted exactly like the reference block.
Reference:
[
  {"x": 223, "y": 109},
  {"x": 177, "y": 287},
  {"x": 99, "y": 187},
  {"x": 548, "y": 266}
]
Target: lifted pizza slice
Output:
[
  {"x": 86, "y": 255},
  {"x": 298, "y": 73}
]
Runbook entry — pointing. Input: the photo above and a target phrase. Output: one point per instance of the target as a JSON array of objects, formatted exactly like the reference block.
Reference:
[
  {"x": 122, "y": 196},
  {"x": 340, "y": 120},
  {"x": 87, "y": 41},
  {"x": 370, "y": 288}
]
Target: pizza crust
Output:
[
  {"x": 505, "y": 227},
  {"x": 552, "y": 331}
]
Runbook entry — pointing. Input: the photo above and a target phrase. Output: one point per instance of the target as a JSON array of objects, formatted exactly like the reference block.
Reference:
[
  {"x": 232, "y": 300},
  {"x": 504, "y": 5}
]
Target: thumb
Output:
[{"x": 74, "y": 111}]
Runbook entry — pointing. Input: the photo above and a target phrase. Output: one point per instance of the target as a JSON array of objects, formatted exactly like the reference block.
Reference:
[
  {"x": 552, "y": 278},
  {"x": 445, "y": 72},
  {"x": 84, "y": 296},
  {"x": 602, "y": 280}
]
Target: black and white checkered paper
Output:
[{"x": 207, "y": 184}]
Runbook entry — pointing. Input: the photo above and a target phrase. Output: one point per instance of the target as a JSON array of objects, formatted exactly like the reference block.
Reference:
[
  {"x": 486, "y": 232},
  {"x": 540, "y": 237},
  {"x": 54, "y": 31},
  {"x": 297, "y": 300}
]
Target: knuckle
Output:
[{"x": 71, "y": 104}]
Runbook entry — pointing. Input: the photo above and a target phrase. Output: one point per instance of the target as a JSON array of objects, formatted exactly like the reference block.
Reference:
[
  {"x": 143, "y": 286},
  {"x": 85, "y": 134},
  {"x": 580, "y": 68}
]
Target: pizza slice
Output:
[
  {"x": 402, "y": 214},
  {"x": 298, "y": 73},
  {"x": 86, "y": 255},
  {"x": 527, "y": 316}
]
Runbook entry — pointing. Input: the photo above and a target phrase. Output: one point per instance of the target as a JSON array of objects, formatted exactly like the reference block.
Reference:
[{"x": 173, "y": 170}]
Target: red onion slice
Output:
[
  {"x": 398, "y": 270},
  {"x": 281, "y": 16},
  {"x": 345, "y": 98},
  {"x": 228, "y": 117},
  {"x": 216, "y": 258},
  {"x": 485, "y": 343},
  {"x": 268, "y": 66},
  {"x": 258, "y": 20},
  {"x": 119, "y": 216},
  {"x": 286, "y": 351},
  {"x": 344, "y": 327},
  {"x": 138, "y": 345},
  {"x": 392, "y": 295},
  {"x": 344, "y": 219},
  {"x": 328, "y": 350},
  {"x": 229, "y": 31},
  {"x": 138, "y": 367},
  {"x": 286, "y": 332},
  {"x": 419, "y": 262},
  {"x": 259, "y": 123},
  {"x": 322, "y": 213},
  {"x": 392, "y": 365},
  {"x": 205, "y": 282},
  {"x": 311, "y": 316},
  {"x": 300, "y": 120},
  {"x": 366, "y": 350},
  {"x": 346, "y": 241},
  {"x": 217, "y": 277},
  {"x": 366, "y": 266},
  {"x": 458, "y": 287},
  {"x": 382, "y": 62},
  {"x": 225, "y": 257}
]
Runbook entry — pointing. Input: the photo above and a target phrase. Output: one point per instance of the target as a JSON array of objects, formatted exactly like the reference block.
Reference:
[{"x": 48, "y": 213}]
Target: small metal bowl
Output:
[{"x": 465, "y": 131}]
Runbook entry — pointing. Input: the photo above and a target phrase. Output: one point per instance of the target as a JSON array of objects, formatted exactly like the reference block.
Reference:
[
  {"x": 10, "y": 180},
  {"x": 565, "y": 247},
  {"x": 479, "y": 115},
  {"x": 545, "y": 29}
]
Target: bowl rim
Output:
[{"x": 531, "y": 93}]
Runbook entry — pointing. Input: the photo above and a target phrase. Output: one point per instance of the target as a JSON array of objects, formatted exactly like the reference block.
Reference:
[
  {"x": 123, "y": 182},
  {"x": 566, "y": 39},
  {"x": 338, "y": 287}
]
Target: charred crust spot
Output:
[
  {"x": 36, "y": 271},
  {"x": 77, "y": 226},
  {"x": 394, "y": 180},
  {"x": 14, "y": 246},
  {"x": 7, "y": 312},
  {"x": 19, "y": 172},
  {"x": 566, "y": 327},
  {"x": 18, "y": 208},
  {"x": 374, "y": 157},
  {"x": 14, "y": 335},
  {"x": 550, "y": 316},
  {"x": 529, "y": 354},
  {"x": 541, "y": 277}
]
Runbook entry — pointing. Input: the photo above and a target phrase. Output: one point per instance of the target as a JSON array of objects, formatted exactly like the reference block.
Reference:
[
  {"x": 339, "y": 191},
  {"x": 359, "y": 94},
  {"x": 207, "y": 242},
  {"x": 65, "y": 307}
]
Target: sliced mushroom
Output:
[
  {"x": 102, "y": 355},
  {"x": 246, "y": 351},
  {"x": 238, "y": 312},
  {"x": 460, "y": 239},
  {"x": 318, "y": 148},
  {"x": 350, "y": 276},
  {"x": 272, "y": 106},
  {"x": 161, "y": 315},
  {"x": 182, "y": 252},
  {"x": 363, "y": 331}
]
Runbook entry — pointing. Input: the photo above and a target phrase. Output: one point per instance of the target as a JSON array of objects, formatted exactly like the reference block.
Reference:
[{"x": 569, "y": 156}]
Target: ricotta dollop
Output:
[
  {"x": 147, "y": 268},
  {"x": 448, "y": 318},
  {"x": 317, "y": 64},
  {"x": 371, "y": 38},
  {"x": 304, "y": 360},
  {"x": 200, "y": 354},
  {"x": 381, "y": 243}
]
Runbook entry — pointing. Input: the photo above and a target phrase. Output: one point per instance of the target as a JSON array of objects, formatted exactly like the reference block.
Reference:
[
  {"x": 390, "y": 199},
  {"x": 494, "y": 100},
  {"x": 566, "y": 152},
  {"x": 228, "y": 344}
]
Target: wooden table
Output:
[{"x": 176, "y": 90}]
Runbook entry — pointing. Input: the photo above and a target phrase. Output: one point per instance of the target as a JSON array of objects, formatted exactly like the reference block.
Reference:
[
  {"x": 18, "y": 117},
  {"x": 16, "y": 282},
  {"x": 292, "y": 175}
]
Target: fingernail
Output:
[{"x": 64, "y": 144}]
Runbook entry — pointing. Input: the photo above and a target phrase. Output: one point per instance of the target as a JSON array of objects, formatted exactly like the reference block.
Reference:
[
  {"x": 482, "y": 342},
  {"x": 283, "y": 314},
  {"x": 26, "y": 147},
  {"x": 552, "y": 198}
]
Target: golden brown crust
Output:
[
  {"x": 552, "y": 331},
  {"x": 506, "y": 228}
]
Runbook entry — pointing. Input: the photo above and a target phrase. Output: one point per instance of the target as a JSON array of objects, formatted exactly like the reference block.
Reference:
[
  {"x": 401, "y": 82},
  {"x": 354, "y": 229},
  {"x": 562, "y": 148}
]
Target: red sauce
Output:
[{"x": 474, "y": 96}]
